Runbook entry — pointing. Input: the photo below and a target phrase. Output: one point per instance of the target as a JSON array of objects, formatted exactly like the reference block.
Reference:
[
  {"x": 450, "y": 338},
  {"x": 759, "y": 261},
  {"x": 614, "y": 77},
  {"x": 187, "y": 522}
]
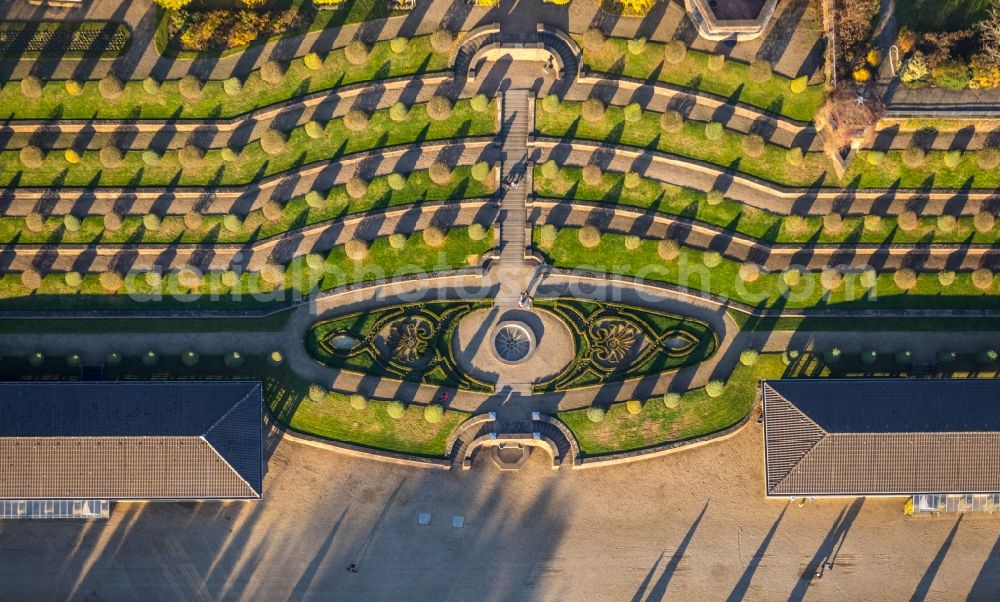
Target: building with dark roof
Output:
[
  {"x": 890, "y": 437},
  {"x": 150, "y": 440}
]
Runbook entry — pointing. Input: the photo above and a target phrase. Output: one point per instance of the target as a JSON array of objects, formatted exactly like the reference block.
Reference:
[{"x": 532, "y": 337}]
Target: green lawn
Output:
[
  {"x": 941, "y": 15},
  {"x": 737, "y": 217},
  {"x": 732, "y": 82},
  {"x": 82, "y": 326},
  {"x": 858, "y": 324},
  {"x": 253, "y": 163},
  {"x": 382, "y": 261},
  {"x": 296, "y": 214},
  {"x": 768, "y": 290},
  {"x": 772, "y": 165},
  {"x": 214, "y": 103}
]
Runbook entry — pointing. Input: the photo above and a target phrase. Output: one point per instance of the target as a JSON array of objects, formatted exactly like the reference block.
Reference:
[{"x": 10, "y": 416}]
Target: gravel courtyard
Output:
[{"x": 679, "y": 527}]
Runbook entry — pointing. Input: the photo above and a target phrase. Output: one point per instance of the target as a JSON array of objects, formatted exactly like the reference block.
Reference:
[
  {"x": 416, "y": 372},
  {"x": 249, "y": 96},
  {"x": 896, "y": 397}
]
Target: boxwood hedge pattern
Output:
[{"x": 616, "y": 342}]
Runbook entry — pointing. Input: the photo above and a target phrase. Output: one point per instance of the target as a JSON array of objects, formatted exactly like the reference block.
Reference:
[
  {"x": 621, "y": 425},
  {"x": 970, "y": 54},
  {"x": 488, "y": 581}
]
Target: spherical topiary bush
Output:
[
  {"x": 397, "y": 241},
  {"x": 914, "y": 157},
  {"x": 315, "y": 199},
  {"x": 272, "y": 72},
  {"x": 112, "y": 221},
  {"x": 433, "y": 413},
  {"x": 230, "y": 279},
  {"x": 984, "y": 221},
  {"x": 946, "y": 357},
  {"x": 356, "y": 120},
  {"x": 760, "y": 71},
  {"x": 476, "y": 231},
  {"x": 982, "y": 278},
  {"x": 111, "y": 157},
  {"x": 713, "y": 130},
  {"x": 36, "y": 359},
  {"x": 233, "y": 86},
  {"x": 749, "y": 271},
  {"x": 715, "y": 388},
  {"x": 908, "y": 221},
  {"x": 275, "y": 358},
  {"x": 232, "y": 223},
  {"x": 593, "y": 39},
  {"x": 952, "y": 158},
  {"x": 799, "y": 84},
  {"x": 189, "y": 358},
  {"x": 439, "y": 108},
  {"x": 550, "y": 104},
  {"x": 31, "y": 87},
  {"x": 590, "y": 236},
  {"x": 946, "y": 278},
  {"x": 356, "y": 249},
  {"x": 110, "y": 87},
  {"x": 150, "y": 358},
  {"x": 233, "y": 359},
  {"x": 632, "y": 242},
  {"x": 987, "y": 357},
  {"x": 272, "y": 210},
  {"x": 905, "y": 279},
  {"x": 357, "y": 187},
  {"x": 110, "y": 281},
  {"x": 272, "y": 274},
  {"x": 314, "y": 129},
  {"x": 671, "y": 122},
  {"x": 73, "y": 360},
  {"x": 480, "y": 171},
  {"x": 631, "y": 180},
  {"x": 479, "y": 103},
  {"x": 73, "y": 279},
  {"x": 632, "y": 112},
  {"x": 636, "y": 45},
  {"x": 716, "y": 62},
  {"x": 313, "y": 61},
  {"x": 830, "y": 279},
  {"x": 113, "y": 358},
  {"x": 671, "y": 400},
  {"x": 73, "y": 87},
  {"x": 440, "y": 173},
  {"x": 190, "y": 87},
  {"x": 711, "y": 259},
  {"x": 668, "y": 249},
  {"x": 592, "y": 175},
  {"x": 874, "y": 157},
  {"x": 595, "y": 414},
  {"x": 833, "y": 223},
  {"x": 396, "y": 181},
  {"x": 988, "y": 158},
  {"x": 189, "y": 277},
  {"x": 356, "y": 53},
  {"x": 794, "y": 223},
  {"x": 433, "y": 236},
  {"x": 872, "y": 223},
  {"x": 790, "y": 356},
  {"x": 72, "y": 156},
  {"x": 151, "y": 157},
  {"x": 31, "y": 279},
  {"x": 714, "y": 197},
  {"x": 903, "y": 357},
  {"x": 547, "y": 235},
  {"x": 868, "y": 278},
  {"x": 316, "y": 393},
  {"x": 675, "y": 51},
  {"x": 394, "y": 409},
  {"x": 193, "y": 220},
  {"x": 153, "y": 279},
  {"x": 832, "y": 355},
  {"x": 441, "y": 41},
  {"x": 190, "y": 157},
  {"x": 946, "y": 223},
  {"x": 592, "y": 110},
  {"x": 34, "y": 222},
  {"x": 151, "y": 86},
  {"x": 399, "y": 112},
  {"x": 315, "y": 262},
  {"x": 398, "y": 45},
  {"x": 31, "y": 156},
  {"x": 358, "y": 401},
  {"x": 753, "y": 145},
  {"x": 71, "y": 223},
  {"x": 869, "y": 357},
  {"x": 633, "y": 406},
  {"x": 151, "y": 222},
  {"x": 273, "y": 142},
  {"x": 749, "y": 357}
]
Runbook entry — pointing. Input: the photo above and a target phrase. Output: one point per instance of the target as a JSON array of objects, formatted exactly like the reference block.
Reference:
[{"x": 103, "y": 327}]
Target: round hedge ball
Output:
[
  {"x": 356, "y": 120},
  {"x": 433, "y": 236},
  {"x": 589, "y": 236},
  {"x": 31, "y": 87},
  {"x": 31, "y": 156},
  {"x": 190, "y": 87},
  {"x": 273, "y": 142},
  {"x": 111, "y": 157},
  {"x": 356, "y": 53},
  {"x": 272, "y": 72},
  {"x": 110, "y": 87},
  {"x": 439, "y": 108}
]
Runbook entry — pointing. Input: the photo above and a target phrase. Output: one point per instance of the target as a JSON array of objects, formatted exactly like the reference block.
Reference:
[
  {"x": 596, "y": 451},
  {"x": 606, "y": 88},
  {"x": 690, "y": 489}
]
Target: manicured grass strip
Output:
[
  {"x": 696, "y": 415},
  {"x": 732, "y": 81},
  {"x": 732, "y": 215},
  {"x": 768, "y": 290},
  {"x": 296, "y": 214},
  {"x": 772, "y": 165},
  {"x": 382, "y": 261},
  {"x": 253, "y": 163},
  {"x": 214, "y": 102},
  {"x": 859, "y": 324},
  {"x": 76, "y": 326}
]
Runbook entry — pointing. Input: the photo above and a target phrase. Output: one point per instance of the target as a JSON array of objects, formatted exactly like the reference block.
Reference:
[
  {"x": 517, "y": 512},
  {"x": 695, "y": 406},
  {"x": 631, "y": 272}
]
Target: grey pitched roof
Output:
[
  {"x": 131, "y": 440},
  {"x": 881, "y": 436}
]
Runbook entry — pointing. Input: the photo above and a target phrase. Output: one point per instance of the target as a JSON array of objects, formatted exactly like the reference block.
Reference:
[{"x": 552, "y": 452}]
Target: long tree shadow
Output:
[
  {"x": 659, "y": 589},
  {"x": 924, "y": 585}
]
